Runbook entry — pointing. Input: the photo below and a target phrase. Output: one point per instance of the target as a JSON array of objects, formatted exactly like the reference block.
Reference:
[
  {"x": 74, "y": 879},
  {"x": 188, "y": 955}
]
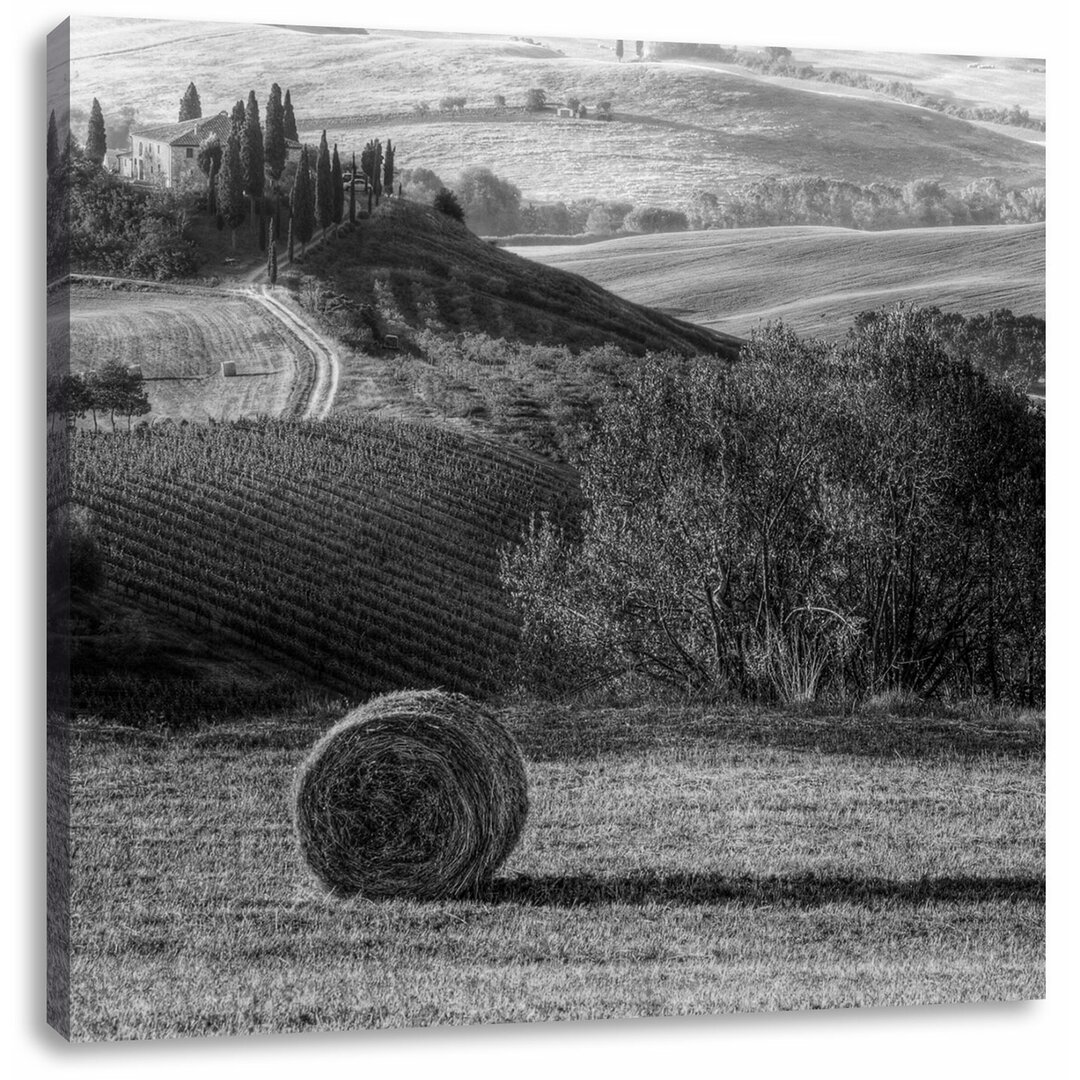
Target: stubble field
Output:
[
  {"x": 815, "y": 279},
  {"x": 674, "y": 861},
  {"x": 180, "y": 338}
]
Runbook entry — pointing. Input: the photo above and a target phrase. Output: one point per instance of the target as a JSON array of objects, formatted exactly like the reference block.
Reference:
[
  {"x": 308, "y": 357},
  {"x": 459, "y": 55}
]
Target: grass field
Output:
[
  {"x": 179, "y": 338},
  {"x": 675, "y": 861},
  {"x": 815, "y": 279},
  {"x": 678, "y": 128}
]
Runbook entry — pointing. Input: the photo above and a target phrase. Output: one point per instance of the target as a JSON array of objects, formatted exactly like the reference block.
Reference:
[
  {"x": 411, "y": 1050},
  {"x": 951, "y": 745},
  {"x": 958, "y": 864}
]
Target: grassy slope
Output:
[
  {"x": 428, "y": 270},
  {"x": 815, "y": 279},
  {"x": 672, "y": 863},
  {"x": 701, "y": 128}
]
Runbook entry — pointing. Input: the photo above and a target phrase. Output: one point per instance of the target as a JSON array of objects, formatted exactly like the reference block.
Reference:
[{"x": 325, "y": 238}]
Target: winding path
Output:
[{"x": 327, "y": 366}]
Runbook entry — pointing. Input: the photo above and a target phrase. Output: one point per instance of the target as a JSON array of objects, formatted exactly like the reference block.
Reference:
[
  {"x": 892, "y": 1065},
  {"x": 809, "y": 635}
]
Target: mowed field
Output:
[
  {"x": 815, "y": 279},
  {"x": 180, "y": 338},
  {"x": 678, "y": 127},
  {"x": 674, "y": 861}
]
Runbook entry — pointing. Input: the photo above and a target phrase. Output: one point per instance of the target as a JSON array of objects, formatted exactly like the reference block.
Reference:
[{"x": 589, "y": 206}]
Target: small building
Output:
[
  {"x": 564, "y": 110},
  {"x": 228, "y": 369},
  {"x": 168, "y": 153}
]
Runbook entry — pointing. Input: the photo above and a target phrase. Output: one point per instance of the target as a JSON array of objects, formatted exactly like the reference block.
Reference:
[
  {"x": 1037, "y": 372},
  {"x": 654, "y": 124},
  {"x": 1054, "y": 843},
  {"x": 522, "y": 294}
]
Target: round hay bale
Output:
[{"x": 419, "y": 793}]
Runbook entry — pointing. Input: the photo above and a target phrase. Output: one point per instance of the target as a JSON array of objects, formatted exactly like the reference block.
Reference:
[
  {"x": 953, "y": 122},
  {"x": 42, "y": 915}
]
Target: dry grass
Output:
[
  {"x": 179, "y": 337},
  {"x": 815, "y": 279},
  {"x": 674, "y": 862}
]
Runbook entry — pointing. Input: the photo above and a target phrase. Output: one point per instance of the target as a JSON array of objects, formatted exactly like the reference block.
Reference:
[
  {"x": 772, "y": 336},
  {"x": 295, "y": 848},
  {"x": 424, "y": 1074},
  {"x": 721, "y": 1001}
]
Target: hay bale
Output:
[{"x": 418, "y": 793}]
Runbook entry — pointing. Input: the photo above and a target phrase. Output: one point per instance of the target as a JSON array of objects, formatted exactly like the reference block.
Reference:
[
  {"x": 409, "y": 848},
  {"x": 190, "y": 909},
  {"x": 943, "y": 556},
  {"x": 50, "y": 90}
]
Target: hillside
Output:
[
  {"x": 815, "y": 279},
  {"x": 245, "y": 563},
  {"x": 420, "y": 269},
  {"x": 677, "y": 128}
]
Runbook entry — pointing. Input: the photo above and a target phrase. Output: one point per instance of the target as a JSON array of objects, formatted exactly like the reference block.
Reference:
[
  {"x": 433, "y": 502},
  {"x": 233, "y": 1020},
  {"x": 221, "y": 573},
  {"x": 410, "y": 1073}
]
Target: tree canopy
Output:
[
  {"x": 95, "y": 135},
  {"x": 275, "y": 148},
  {"x": 190, "y": 106}
]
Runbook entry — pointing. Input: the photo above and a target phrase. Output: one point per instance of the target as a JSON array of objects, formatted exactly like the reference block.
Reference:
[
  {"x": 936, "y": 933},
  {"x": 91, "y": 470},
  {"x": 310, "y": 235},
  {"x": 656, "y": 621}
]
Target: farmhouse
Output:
[{"x": 168, "y": 153}]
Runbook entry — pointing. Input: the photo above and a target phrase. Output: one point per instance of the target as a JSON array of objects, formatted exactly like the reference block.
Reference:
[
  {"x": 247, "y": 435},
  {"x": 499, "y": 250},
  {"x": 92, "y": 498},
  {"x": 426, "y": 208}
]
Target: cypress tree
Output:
[
  {"x": 388, "y": 168},
  {"x": 352, "y": 193},
  {"x": 190, "y": 106},
  {"x": 338, "y": 185},
  {"x": 619, "y": 48},
  {"x": 232, "y": 205},
  {"x": 271, "y": 259},
  {"x": 52, "y": 144},
  {"x": 288, "y": 120},
  {"x": 324, "y": 192},
  {"x": 239, "y": 115},
  {"x": 302, "y": 203},
  {"x": 276, "y": 153},
  {"x": 209, "y": 159},
  {"x": 291, "y": 240},
  {"x": 251, "y": 153},
  {"x": 95, "y": 135}
]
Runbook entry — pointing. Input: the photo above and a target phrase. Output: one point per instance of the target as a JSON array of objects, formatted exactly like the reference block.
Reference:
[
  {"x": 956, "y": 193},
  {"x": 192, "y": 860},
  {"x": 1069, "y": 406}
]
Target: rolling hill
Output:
[
  {"x": 677, "y": 128},
  {"x": 815, "y": 279},
  {"x": 242, "y": 562}
]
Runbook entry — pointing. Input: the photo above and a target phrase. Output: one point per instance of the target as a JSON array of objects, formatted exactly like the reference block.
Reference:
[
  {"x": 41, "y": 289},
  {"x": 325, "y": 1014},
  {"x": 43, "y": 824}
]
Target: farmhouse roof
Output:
[
  {"x": 188, "y": 132},
  {"x": 193, "y": 132}
]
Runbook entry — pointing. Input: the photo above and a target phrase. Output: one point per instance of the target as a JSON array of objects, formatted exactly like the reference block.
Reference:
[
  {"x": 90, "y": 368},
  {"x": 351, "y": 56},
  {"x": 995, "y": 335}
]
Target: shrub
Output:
[
  {"x": 447, "y": 203},
  {"x": 652, "y": 219}
]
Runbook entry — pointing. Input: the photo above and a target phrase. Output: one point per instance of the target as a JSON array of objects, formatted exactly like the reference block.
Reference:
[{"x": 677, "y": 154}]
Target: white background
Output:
[{"x": 1029, "y": 1040}]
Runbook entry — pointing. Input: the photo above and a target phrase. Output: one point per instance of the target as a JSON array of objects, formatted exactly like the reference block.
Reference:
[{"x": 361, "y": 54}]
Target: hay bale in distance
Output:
[{"x": 418, "y": 794}]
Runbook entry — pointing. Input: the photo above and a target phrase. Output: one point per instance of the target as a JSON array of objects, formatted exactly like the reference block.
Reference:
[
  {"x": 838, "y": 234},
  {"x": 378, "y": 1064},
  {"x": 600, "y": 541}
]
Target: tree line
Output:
[{"x": 113, "y": 389}]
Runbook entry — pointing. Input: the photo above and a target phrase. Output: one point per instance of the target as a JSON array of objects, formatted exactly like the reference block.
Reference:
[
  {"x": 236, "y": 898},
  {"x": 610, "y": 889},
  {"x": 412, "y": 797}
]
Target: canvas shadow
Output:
[{"x": 793, "y": 891}]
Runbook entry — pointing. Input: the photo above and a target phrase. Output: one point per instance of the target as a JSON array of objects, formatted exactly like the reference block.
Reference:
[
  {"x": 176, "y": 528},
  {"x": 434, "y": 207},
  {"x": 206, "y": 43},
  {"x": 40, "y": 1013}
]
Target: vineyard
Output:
[{"x": 356, "y": 556}]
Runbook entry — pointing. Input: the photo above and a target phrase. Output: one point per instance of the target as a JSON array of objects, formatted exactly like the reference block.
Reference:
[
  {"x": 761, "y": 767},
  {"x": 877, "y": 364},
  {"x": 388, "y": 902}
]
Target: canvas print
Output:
[{"x": 539, "y": 528}]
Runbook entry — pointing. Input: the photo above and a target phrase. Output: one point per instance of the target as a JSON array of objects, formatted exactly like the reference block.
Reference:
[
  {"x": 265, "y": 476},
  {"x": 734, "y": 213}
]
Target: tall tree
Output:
[
  {"x": 232, "y": 205},
  {"x": 52, "y": 144},
  {"x": 352, "y": 192},
  {"x": 271, "y": 258},
  {"x": 292, "y": 240},
  {"x": 209, "y": 160},
  {"x": 276, "y": 152},
  {"x": 95, "y": 135},
  {"x": 639, "y": 48},
  {"x": 239, "y": 115},
  {"x": 251, "y": 152},
  {"x": 288, "y": 119},
  {"x": 324, "y": 191},
  {"x": 619, "y": 48},
  {"x": 302, "y": 203},
  {"x": 337, "y": 183},
  {"x": 190, "y": 106},
  {"x": 388, "y": 168}
]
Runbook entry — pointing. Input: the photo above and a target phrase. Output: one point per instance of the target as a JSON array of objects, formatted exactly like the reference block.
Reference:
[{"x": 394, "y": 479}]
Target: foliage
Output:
[
  {"x": 849, "y": 518},
  {"x": 446, "y": 202},
  {"x": 451, "y": 102},
  {"x": 288, "y": 119},
  {"x": 388, "y": 168},
  {"x": 252, "y": 153},
  {"x": 371, "y": 163},
  {"x": 231, "y": 203},
  {"x": 421, "y": 184},
  {"x": 105, "y": 225},
  {"x": 274, "y": 145},
  {"x": 302, "y": 203},
  {"x": 619, "y": 48},
  {"x": 190, "y": 105},
  {"x": 209, "y": 161},
  {"x": 324, "y": 186},
  {"x": 239, "y": 118},
  {"x": 492, "y": 205},
  {"x": 535, "y": 100},
  {"x": 95, "y": 135},
  {"x": 816, "y": 200},
  {"x": 52, "y": 144},
  {"x": 652, "y": 219},
  {"x": 500, "y": 101},
  {"x": 1009, "y": 346},
  {"x": 337, "y": 185},
  {"x": 112, "y": 388},
  {"x": 639, "y": 49}
]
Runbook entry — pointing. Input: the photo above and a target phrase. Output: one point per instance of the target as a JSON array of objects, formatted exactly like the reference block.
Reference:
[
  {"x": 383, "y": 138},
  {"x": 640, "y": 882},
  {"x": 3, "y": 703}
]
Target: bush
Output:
[
  {"x": 447, "y": 203},
  {"x": 653, "y": 219},
  {"x": 535, "y": 100},
  {"x": 851, "y": 518}
]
